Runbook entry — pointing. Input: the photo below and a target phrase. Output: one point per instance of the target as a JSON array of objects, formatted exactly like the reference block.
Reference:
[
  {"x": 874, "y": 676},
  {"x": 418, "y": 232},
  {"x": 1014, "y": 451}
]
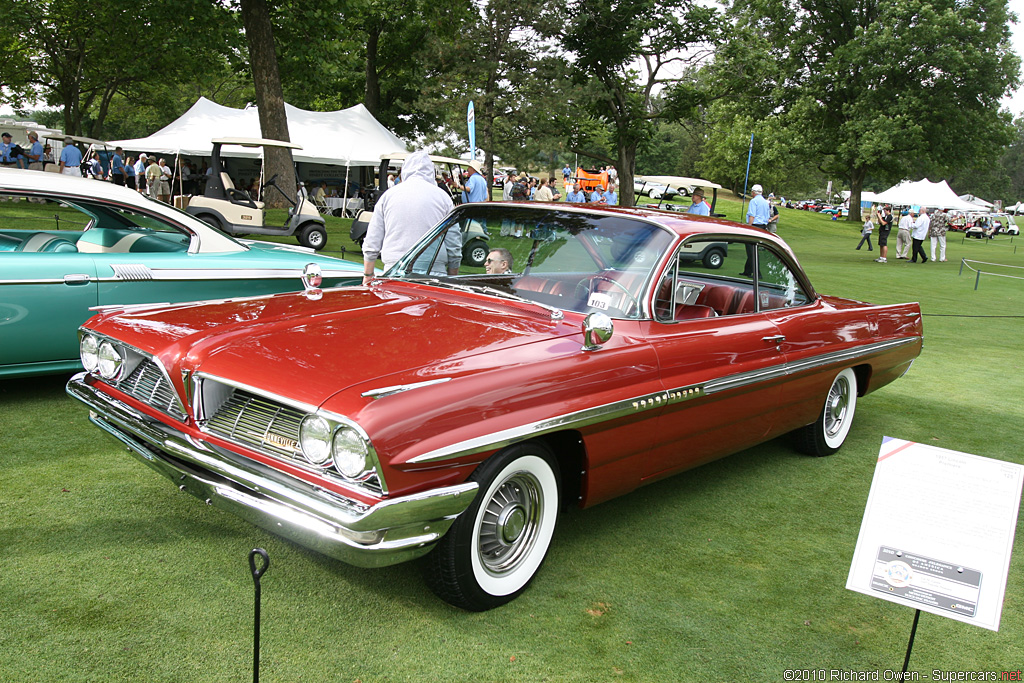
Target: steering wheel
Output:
[{"x": 588, "y": 286}]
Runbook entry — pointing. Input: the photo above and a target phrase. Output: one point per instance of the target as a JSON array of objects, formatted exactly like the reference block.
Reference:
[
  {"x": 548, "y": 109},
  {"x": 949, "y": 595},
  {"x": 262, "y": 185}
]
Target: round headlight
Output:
[
  {"x": 88, "y": 350},
  {"x": 315, "y": 439},
  {"x": 349, "y": 452},
  {"x": 109, "y": 361}
]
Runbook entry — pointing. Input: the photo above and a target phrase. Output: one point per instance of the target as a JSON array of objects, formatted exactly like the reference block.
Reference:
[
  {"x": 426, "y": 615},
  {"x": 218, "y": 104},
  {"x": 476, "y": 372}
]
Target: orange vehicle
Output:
[{"x": 588, "y": 180}]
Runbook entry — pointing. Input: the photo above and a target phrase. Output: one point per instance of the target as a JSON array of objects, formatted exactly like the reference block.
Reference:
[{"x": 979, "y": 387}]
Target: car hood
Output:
[{"x": 310, "y": 349}]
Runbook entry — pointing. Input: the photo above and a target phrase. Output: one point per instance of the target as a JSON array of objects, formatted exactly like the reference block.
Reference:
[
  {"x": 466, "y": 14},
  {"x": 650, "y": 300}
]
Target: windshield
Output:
[{"x": 574, "y": 261}]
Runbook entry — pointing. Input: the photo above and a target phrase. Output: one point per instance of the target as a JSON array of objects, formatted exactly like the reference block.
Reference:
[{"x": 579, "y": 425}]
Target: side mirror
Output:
[{"x": 597, "y": 330}]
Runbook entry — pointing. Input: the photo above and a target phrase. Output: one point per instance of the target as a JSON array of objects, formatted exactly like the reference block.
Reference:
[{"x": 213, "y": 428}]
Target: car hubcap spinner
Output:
[
  {"x": 835, "y": 408},
  {"x": 510, "y": 523}
]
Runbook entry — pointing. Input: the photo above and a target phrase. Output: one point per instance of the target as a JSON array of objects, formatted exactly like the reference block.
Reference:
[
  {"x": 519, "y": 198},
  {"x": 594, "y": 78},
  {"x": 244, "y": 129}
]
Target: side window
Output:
[
  {"x": 39, "y": 225},
  {"x": 777, "y": 285}
]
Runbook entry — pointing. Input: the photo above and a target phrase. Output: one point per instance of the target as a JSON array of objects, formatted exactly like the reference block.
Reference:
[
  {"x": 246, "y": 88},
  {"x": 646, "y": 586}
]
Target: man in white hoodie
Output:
[{"x": 404, "y": 213}]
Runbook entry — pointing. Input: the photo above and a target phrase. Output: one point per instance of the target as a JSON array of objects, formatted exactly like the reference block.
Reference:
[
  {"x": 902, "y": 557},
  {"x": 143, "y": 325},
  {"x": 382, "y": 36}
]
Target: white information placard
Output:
[{"x": 938, "y": 531}]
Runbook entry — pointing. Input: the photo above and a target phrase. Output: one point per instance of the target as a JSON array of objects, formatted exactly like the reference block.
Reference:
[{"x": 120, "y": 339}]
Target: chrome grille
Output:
[
  {"x": 258, "y": 423},
  {"x": 148, "y": 384}
]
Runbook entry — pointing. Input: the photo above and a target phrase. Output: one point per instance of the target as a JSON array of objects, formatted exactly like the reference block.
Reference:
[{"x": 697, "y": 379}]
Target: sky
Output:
[{"x": 1015, "y": 102}]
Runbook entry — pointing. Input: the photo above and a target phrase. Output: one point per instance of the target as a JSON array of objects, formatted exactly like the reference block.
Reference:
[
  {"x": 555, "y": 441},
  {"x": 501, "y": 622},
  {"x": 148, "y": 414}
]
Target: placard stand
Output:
[{"x": 910, "y": 645}]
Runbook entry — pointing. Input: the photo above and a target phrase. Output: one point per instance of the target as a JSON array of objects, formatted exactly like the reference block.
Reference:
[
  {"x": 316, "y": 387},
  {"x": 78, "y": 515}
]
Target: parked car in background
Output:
[
  {"x": 607, "y": 358},
  {"x": 70, "y": 244}
]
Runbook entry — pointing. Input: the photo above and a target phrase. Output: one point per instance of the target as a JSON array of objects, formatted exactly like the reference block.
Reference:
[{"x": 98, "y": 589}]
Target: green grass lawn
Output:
[{"x": 735, "y": 571}]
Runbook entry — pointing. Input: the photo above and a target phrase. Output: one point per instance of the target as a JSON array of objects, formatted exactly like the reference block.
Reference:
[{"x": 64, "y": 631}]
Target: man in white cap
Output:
[
  {"x": 475, "y": 189},
  {"x": 140, "y": 173},
  {"x": 71, "y": 158},
  {"x": 760, "y": 211}
]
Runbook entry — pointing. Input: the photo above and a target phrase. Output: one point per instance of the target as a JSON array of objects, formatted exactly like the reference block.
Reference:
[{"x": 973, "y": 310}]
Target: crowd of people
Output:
[{"x": 914, "y": 227}]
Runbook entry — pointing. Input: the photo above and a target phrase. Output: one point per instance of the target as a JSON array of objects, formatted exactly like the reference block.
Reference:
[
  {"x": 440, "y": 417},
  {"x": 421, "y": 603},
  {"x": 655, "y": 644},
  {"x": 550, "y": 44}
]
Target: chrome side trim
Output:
[
  {"x": 387, "y": 532},
  {"x": 178, "y": 274},
  {"x": 399, "y": 388},
  {"x": 618, "y": 409},
  {"x": 581, "y": 418}
]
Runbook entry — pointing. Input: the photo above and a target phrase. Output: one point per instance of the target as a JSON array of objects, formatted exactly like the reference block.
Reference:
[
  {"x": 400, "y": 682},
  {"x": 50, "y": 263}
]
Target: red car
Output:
[{"x": 451, "y": 415}]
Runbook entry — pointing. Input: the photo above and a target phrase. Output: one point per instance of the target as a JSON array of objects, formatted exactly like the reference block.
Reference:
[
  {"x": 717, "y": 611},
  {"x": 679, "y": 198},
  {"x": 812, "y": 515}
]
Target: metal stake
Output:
[
  {"x": 256, "y": 574},
  {"x": 910, "y": 645}
]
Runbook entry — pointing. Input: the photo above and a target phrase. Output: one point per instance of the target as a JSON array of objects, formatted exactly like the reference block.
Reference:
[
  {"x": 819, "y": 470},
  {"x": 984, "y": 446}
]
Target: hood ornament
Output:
[{"x": 312, "y": 278}]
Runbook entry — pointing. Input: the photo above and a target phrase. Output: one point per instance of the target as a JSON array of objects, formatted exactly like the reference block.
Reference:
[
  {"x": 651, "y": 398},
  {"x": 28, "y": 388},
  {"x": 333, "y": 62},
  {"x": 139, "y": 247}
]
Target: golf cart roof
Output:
[
  {"x": 678, "y": 181},
  {"x": 255, "y": 142},
  {"x": 402, "y": 156},
  {"x": 77, "y": 138}
]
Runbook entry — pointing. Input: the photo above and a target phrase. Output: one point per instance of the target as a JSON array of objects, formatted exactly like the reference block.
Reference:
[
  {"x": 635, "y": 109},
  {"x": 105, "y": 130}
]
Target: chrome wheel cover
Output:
[
  {"x": 836, "y": 406},
  {"x": 510, "y": 523}
]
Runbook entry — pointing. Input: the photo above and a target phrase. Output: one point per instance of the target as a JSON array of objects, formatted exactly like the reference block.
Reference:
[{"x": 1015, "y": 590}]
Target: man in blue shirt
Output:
[
  {"x": 117, "y": 166},
  {"x": 35, "y": 152},
  {"x": 760, "y": 211},
  {"x": 576, "y": 196},
  {"x": 475, "y": 189},
  {"x": 70, "y": 159},
  {"x": 7, "y": 157},
  {"x": 758, "y": 214},
  {"x": 699, "y": 206},
  {"x": 140, "y": 173},
  {"x": 597, "y": 196},
  {"x": 611, "y": 197}
]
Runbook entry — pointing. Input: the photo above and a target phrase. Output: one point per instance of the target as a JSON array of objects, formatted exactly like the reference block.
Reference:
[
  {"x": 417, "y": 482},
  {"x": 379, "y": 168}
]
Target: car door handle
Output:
[
  {"x": 74, "y": 279},
  {"x": 774, "y": 340}
]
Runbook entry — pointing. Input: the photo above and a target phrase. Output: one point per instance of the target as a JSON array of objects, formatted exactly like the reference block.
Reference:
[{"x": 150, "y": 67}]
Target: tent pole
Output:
[{"x": 344, "y": 201}]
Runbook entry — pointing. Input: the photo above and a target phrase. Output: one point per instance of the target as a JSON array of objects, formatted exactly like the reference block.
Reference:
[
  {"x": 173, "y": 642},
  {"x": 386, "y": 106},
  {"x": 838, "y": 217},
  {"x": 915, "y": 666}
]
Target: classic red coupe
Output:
[{"x": 450, "y": 411}]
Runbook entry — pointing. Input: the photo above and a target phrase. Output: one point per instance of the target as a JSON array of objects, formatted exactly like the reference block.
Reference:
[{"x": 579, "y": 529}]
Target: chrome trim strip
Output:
[
  {"x": 581, "y": 418},
  {"x": 399, "y": 388},
  {"x": 618, "y": 409},
  {"x": 387, "y": 532},
  {"x": 178, "y": 274}
]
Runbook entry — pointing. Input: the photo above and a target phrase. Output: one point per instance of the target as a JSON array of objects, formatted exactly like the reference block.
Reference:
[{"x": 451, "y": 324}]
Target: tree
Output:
[
  {"x": 626, "y": 51},
  {"x": 880, "y": 88},
  {"x": 80, "y": 55},
  {"x": 259, "y": 34}
]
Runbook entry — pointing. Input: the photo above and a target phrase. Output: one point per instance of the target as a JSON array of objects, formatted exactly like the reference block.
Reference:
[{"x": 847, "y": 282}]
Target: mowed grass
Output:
[{"x": 735, "y": 571}]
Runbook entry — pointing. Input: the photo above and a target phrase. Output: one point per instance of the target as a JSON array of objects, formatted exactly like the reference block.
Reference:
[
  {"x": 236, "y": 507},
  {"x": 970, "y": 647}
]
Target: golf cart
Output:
[
  {"x": 684, "y": 186},
  {"x": 232, "y": 210},
  {"x": 474, "y": 235},
  {"x": 91, "y": 144}
]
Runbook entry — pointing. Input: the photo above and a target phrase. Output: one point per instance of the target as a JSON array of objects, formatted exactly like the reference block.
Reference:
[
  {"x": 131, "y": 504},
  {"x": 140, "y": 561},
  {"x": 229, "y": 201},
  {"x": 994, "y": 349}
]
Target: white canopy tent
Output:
[
  {"x": 348, "y": 137},
  {"x": 923, "y": 193},
  {"x": 978, "y": 202}
]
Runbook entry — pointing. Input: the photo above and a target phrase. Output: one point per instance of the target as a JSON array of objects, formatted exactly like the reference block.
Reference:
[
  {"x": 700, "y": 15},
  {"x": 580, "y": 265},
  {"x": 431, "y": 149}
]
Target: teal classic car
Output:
[{"x": 68, "y": 245}]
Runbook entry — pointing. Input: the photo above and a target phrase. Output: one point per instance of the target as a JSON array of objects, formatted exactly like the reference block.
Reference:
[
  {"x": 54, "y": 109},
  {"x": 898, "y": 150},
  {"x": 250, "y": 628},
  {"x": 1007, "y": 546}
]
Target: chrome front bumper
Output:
[{"x": 389, "y": 532}]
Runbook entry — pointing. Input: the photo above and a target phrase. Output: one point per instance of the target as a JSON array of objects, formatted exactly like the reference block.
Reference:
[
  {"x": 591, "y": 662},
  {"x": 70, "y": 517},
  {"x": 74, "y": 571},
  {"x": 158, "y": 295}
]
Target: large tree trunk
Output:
[
  {"x": 259, "y": 34},
  {"x": 371, "y": 93},
  {"x": 627, "y": 162},
  {"x": 856, "y": 189}
]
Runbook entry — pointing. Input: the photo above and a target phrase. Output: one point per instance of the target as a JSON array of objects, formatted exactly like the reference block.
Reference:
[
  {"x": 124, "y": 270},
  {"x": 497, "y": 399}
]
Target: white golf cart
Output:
[{"x": 232, "y": 210}]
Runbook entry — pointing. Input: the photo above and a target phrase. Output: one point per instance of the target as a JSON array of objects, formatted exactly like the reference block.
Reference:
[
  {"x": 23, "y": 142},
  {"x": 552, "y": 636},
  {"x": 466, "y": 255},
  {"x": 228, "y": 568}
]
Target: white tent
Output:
[
  {"x": 924, "y": 193},
  {"x": 978, "y": 202},
  {"x": 1016, "y": 208},
  {"x": 348, "y": 137}
]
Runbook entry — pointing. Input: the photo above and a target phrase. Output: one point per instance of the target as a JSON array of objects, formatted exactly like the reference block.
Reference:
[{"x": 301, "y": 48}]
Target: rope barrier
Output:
[{"x": 977, "y": 278}]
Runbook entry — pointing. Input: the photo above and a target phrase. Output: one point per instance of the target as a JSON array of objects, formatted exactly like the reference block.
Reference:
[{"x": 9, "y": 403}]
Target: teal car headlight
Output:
[
  {"x": 88, "y": 351},
  {"x": 315, "y": 439},
  {"x": 109, "y": 361},
  {"x": 350, "y": 452}
]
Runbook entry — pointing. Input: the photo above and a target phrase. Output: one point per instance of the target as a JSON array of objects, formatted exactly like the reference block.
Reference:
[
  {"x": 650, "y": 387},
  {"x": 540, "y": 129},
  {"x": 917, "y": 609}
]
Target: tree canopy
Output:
[{"x": 864, "y": 92}]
